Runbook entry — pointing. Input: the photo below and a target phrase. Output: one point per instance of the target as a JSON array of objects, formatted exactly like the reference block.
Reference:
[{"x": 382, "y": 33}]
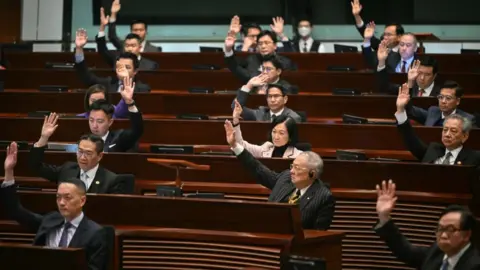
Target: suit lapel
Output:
[
  {"x": 308, "y": 196},
  {"x": 439, "y": 151},
  {"x": 97, "y": 184},
  {"x": 284, "y": 192},
  {"x": 53, "y": 223},
  {"x": 108, "y": 141},
  {"x": 462, "y": 156},
  {"x": 77, "y": 236}
]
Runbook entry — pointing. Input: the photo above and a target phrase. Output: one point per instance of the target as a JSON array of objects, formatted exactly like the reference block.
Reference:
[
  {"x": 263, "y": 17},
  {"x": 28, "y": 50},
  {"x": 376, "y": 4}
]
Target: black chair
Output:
[
  {"x": 303, "y": 146},
  {"x": 303, "y": 115},
  {"x": 110, "y": 238},
  {"x": 128, "y": 183}
]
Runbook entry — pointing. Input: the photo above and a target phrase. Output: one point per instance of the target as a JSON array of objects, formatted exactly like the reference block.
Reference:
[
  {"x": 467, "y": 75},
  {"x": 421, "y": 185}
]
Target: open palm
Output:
[
  {"x": 115, "y": 6},
  {"x": 11, "y": 159},
  {"x": 356, "y": 7},
  {"x": 386, "y": 199},
  {"x": 230, "y": 133},
  {"x": 237, "y": 111},
  {"x": 49, "y": 125}
]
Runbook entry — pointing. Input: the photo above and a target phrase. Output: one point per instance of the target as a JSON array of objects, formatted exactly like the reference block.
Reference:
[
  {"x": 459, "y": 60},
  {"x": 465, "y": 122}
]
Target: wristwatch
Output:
[{"x": 131, "y": 104}]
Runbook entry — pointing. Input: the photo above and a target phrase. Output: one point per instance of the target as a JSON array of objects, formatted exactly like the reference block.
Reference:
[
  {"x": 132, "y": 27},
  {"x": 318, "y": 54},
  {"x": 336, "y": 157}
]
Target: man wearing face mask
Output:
[{"x": 305, "y": 42}]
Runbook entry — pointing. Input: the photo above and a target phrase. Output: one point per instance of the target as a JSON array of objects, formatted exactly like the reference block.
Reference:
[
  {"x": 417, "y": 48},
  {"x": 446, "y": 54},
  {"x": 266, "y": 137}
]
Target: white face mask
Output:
[{"x": 304, "y": 31}]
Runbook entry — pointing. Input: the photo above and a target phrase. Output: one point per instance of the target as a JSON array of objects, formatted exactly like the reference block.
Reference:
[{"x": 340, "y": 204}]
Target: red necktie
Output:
[
  {"x": 404, "y": 70},
  {"x": 420, "y": 93}
]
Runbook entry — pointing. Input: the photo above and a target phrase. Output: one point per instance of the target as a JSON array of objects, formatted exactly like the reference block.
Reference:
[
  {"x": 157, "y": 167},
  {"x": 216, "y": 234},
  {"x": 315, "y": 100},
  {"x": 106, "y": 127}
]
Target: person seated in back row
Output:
[
  {"x": 272, "y": 68},
  {"x": 281, "y": 141},
  {"x": 97, "y": 92},
  {"x": 66, "y": 228},
  {"x": 277, "y": 97},
  {"x": 126, "y": 67}
]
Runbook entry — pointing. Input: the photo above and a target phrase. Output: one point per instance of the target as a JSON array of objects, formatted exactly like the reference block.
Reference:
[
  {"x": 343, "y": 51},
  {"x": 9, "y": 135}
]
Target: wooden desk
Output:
[
  {"x": 447, "y": 62},
  {"x": 168, "y": 104},
  {"x": 322, "y": 82}
]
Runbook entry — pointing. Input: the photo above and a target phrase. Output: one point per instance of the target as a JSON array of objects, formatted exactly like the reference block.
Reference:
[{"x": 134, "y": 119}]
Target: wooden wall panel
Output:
[{"x": 10, "y": 20}]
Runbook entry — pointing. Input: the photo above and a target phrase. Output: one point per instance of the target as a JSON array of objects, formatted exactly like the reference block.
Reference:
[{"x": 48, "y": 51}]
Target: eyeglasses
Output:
[
  {"x": 296, "y": 167},
  {"x": 267, "y": 69},
  {"x": 264, "y": 43},
  {"x": 449, "y": 230},
  {"x": 81, "y": 153},
  {"x": 447, "y": 98}
]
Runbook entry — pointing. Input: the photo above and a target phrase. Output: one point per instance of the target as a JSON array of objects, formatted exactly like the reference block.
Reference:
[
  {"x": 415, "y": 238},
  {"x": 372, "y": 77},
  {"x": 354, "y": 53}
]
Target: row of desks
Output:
[
  {"x": 169, "y": 104},
  {"x": 319, "y": 82},
  {"x": 447, "y": 62},
  {"x": 375, "y": 140}
]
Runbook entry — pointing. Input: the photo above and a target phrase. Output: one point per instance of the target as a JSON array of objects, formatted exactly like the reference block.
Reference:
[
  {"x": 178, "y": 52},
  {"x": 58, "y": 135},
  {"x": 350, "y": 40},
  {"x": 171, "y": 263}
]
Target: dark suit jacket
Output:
[
  {"x": 431, "y": 116},
  {"x": 111, "y": 83},
  {"x": 425, "y": 258},
  {"x": 105, "y": 181},
  {"x": 113, "y": 37},
  {"x": 430, "y": 153},
  {"x": 89, "y": 235},
  {"x": 287, "y": 47},
  {"x": 111, "y": 58},
  {"x": 391, "y": 62},
  {"x": 262, "y": 113},
  {"x": 125, "y": 140},
  {"x": 317, "y": 205},
  {"x": 385, "y": 86},
  {"x": 313, "y": 49},
  {"x": 245, "y": 69},
  {"x": 374, "y": 41}
]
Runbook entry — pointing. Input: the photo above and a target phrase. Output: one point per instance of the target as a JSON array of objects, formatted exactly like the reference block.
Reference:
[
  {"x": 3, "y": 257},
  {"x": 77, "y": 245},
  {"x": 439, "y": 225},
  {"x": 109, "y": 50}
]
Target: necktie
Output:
[
  {"x": 444, "y": 265},
  {"x": 404, "y": 67},
  {"x": 84, "y": 178},
  {"x": 64, "y": 238},
  {"x": 294, "y": 197},
  {"x": 274, "y": 117},
  {"x": 420, "y": 92},
  {"x": 304, "y": 46},
  {"x": 446, "y": 161}
]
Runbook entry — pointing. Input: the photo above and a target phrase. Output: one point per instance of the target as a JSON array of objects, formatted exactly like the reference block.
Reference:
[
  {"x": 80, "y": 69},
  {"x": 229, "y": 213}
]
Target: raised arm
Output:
[
  {"x": 87, "y": 77},
  {"x": 112, "y": 27},
  {"x": 255, "y": 150},
  {"x": 108, "y": 56},
  {"x": 237, "y": 68}
]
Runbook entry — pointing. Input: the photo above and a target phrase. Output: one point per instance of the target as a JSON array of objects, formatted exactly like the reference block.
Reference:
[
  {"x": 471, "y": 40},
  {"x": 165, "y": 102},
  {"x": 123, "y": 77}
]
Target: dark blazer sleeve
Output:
[
  {"x": 97, "y": 251},
  {"x": 238, "y": 68},
  {"x": 128, "y": 138},
  {"x": 418, "y": 114},
  {"x": 411, "y": 140},
  {"x": 15, "y": 210},
  {"x": 102, "y": 49},
  {"x": 374, "y": 41},
  {"x": 288, "y": 46},
  {"x": 113, "y": 37},
  {"x": 400, "y": 246},
  {"x": 325, "y": 213},
  {"x": 87, "y": 77},
  {"x": 264, "y": 175},
  {"x": 247, "y": 113},
  {"x": 35, "y": 160},
  {"x": 370, "y": 57}
]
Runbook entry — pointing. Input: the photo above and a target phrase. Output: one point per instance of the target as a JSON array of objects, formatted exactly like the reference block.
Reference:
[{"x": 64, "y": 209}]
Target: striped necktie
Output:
[{"x": 294, "y": 197}]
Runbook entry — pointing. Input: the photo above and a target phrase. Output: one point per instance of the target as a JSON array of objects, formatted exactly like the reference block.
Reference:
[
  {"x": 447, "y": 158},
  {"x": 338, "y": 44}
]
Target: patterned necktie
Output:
[
  {"x": 420, "y": 92},
  {"x": 304, "y": 46},
  {"x": 294, "y": 197},
  {"x": 444, "y": 265},
  {"x": 404, "y": 67},
  {"x": 446, "y": 161},
  {"x": 64, "y": 238}
]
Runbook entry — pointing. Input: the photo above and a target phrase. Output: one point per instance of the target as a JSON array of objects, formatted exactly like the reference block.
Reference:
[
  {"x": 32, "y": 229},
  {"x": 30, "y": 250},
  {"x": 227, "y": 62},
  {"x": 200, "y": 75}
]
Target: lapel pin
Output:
[
  {"x": 459, "y": 163},
  {"x": 98, "y": 182}
]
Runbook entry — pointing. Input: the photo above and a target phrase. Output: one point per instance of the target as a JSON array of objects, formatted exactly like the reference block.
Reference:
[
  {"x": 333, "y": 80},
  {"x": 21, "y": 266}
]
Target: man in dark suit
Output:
[
  {"x": 68, "y": 227},
  {"x": 126, "y": 66},
  {"x": 245, "y": 69},
  {"x": 421, "y": 79},
  {"x": 448, "y": 101},
  {"x": 132, "y": 44},
  {"x": 137, "y": 27},
  {"x": 249, "y": 31},
  {"x": 455, "y": 132},
  {"x": 305, "y": 43},
  {"x": 453, "y": 248},
  {"x": 277, "y": 97},
  {"x": 400, "y": 62},
  {"x": 300, "y": 185}
]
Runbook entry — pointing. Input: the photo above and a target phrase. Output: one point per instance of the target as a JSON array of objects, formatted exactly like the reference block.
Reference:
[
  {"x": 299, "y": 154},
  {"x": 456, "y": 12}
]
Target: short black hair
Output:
[
  {"x": 304, "y": 19},
  {"x": 75, "y": 181},
  {"x": 285, "y": 90},
  {"x": 467, "y": 220},
  {"x": 97, "y": 140},
  {"x": 96, "y": 88},
  {"x": 398, "y": 28},
  {"x": 133, "y": 36},
  {"x": 131, "y": 56},
  {"x": 275, "y": 61},
  {"x": 138, "y": 22},
  {"x": 248, "y": 26},
  {"x": 292, "y": 129},
  {"x": 429, "y": 61},
  {"x": 454, "y": 85},
  {"x": 103, "y": 105},
  {"x": 269, "y": 33}
]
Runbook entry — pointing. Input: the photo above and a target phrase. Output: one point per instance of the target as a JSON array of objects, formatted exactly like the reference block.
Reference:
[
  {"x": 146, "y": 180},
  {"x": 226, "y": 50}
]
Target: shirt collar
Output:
[
  {"x": 428, "y": 90},
  {"x": 454, "y": 152},
  {"x": 76, "y": 221},
  {"x": 452, "y": 261},
  {"x": 278, "y": 113},
  {"x": 303, "y": 190},
  {"x": 104, "y": 138},
  {"x": 144, "y": 42},
  {"x": 395, "y": 49},
  {"x": 454, "y": 111},
  {"x": 91, "y": 173}
]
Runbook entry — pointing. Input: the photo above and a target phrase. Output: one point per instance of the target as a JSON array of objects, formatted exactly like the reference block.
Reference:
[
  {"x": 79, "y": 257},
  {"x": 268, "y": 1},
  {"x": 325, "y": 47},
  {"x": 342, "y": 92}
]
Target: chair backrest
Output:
[
  {"x": 129, "y": 182},
  {"x": 303, "y": 115},
  {"x": 303, "y": 146},
  {"x": 110, "y": 238}
]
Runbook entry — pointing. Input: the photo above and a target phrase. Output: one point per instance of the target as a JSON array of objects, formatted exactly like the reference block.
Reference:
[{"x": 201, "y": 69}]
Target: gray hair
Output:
[
  {"x": 467, "y": 124},
  {"x": 314, "y": 161}
]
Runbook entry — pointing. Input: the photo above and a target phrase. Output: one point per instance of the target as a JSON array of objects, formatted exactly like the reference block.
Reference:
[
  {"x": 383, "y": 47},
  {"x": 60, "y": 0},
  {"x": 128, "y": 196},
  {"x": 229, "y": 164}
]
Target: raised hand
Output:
[
  {"x": 230, "y": 133},
  {"x": 127, "y": 89},
  {"x": 230, "y": 41},
  {"x": 49, "y": 125},
  {"x": 382, "y": 52},
  {"x": 258, "y": 80},
  {"x": 122, "y": 71},
  {"x": 237, "y": 111},
  {"x": 235, "y": 25},
  {"x": 81, "y": 38},
  {"x": 369, "y": 31},
  {"x": 11, "y": 158},
  {"x": 386, "y": 199},
  {"x": 247, "y": 43},
  {"x": 103, "y": 19},
  {"x": 277, "y": 25},
  {"x": 413, "y": 71},
  {"x": 356, "y": 7},
  {"x": 403, "y": 97},
  {"x": 115, "y": 7}
]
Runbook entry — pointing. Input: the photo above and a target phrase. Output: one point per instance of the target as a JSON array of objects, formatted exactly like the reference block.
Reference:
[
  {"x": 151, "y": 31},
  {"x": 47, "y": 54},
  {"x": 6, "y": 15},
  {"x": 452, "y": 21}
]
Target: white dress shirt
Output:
[
  {"x": 87, "y": 177},
  {"x": 54, "y": 237},
  {"x": 454, "y": 156},
  {"x": 104, "y": 137},
  {"x": 452, "y": 261},
  {"x": 428, "y": 90},
  {"x": 276, "y": 114},
  {"x": 309, "y": 42}
]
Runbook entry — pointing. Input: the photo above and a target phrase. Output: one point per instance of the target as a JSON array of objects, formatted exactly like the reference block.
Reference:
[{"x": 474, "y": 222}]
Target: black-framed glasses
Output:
[
  {"x": 449, "y": 230},
  {"x": 447, "y": 98}
]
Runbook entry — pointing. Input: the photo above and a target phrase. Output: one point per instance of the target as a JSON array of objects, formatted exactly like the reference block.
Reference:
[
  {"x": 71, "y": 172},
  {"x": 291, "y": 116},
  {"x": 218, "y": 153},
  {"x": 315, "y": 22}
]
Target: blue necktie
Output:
[
  {"x": 64, "y": 238},
  {"x": 444, "y": 265}
]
